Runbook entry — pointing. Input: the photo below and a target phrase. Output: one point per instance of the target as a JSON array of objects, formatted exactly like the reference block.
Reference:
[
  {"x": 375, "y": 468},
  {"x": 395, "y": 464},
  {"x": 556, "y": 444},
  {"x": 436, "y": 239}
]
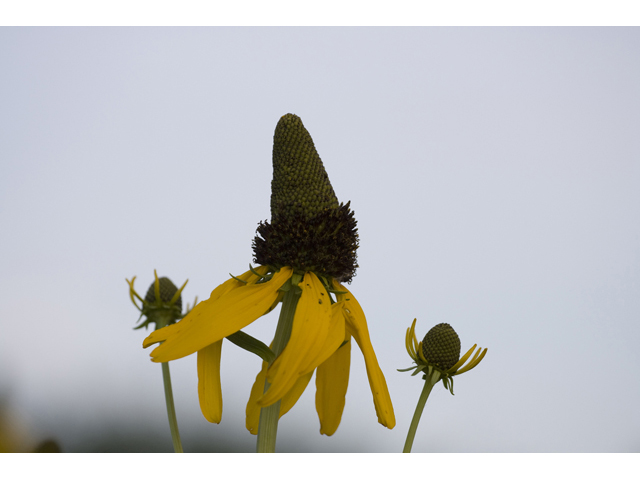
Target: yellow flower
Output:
[
  {"x": 440, "y": 345},
  {"x": 309, "y": 246},
  {"x": 320, "y": 339}
]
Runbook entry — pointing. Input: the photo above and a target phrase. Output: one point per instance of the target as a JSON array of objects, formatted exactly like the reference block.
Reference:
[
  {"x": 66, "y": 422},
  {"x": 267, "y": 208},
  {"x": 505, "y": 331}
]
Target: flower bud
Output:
[
  {"x": 167, "y": 291},
  {"x": 163, "y": 311},
  {"x": 441, "y": 346}
]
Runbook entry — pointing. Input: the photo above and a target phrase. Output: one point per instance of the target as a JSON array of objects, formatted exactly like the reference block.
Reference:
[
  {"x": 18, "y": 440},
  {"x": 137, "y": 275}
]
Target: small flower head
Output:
[
  {"x": 441, "y": 346},
  {"x": 438, "y": 354},
  {"x": 161, "y": 305}
]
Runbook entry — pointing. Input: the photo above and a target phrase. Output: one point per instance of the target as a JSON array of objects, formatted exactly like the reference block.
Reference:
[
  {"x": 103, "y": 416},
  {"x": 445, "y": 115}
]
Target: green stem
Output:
[
  {"x": 171, "y": 410},
  {"x": 253, "y": 345},
  {"x": 269, "y": 416},
  {"x": 428, "y": 385}
]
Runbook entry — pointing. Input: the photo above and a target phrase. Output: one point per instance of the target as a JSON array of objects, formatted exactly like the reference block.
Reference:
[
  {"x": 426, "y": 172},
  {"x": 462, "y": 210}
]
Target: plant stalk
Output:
[
  {"x": 269, "y": 416},
  {"x": 426, "y": 390},
  {"x": 171, "y": 409}
]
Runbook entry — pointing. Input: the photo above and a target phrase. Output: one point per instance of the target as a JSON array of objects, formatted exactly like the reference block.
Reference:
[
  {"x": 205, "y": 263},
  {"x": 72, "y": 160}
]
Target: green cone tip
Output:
[
  {"x": 441, "y": 346},
  {"x": 300, "y": 183}
]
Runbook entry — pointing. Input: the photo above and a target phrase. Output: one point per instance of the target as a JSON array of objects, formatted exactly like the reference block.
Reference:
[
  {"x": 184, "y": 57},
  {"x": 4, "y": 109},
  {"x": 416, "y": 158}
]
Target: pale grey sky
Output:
[{"x": 494, "y": 174}]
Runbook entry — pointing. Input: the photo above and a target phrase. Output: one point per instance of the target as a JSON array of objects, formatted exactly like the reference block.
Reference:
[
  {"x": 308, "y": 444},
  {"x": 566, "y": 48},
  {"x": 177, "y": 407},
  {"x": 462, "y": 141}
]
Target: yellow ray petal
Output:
[
  {"x": 212, "y": 320},
  {"x": 287, "y": 402},
  {"x": 474, "y": 361},
  {"x": 132, "y": 292},
  {"x": 309, "y": 332},
  {"x": 468, "y": 365},
  {"x": 356, "y": 325},
  {"x": 332, "y": 380},
  {"x": 209, "y": 388},
  {"x": 421, "y": 353},
  {"x": 231, "y": 284},
  {"x": 253, "y": 410},
  {"x": 415, "y": 345},
  {"x": 291, "y": 397},
  {"x": 407, "y": 342},
  {"x": 335, "y": 337},
  {"x": 463, "y": 359},
  {"x": 410, "y": 340}
]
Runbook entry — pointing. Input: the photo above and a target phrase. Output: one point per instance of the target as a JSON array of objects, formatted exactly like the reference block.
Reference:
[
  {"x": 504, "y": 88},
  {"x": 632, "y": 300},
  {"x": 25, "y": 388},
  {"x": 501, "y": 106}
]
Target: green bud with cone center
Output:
[
  {"x": 441, "y": 346},
  {"x": 167, "y": 291}
]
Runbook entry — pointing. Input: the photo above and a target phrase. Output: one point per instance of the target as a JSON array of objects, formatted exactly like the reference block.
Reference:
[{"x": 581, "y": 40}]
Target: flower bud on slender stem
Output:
[
  {"x": 162, "y": 306},
  {"x": 438, "y": 358}
]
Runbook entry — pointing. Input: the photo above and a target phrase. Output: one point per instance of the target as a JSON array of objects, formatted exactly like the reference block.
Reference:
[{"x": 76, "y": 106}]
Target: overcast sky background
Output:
[{"x": 494, "y": 174}]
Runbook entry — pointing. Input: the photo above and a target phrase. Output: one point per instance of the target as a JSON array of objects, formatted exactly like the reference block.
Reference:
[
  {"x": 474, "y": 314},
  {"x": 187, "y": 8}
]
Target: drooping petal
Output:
[
  {"x": 309, "y": 332},
  {"x": 292, "y": 396},
  {"x": 356, "y": 325},
  {"x": 214, "y": 319},
  {"x": 209, "y": 388},
  {"x": 253, "y": 410},
  {"x": 287, "y": 402},
  {"x": 247, "y": 277},
  {"x": 335, "y": 337},
  {"x": 332, "y": 380}
]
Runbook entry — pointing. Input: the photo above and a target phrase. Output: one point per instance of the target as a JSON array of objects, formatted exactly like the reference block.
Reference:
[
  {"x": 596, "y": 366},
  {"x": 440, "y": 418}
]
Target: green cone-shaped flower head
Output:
[
  {"x": 441, "y": 346},
  {"x": 300, "y": 183},
  {"x": 309, "y": 230},
  {"x": 167, "y": 291}
]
